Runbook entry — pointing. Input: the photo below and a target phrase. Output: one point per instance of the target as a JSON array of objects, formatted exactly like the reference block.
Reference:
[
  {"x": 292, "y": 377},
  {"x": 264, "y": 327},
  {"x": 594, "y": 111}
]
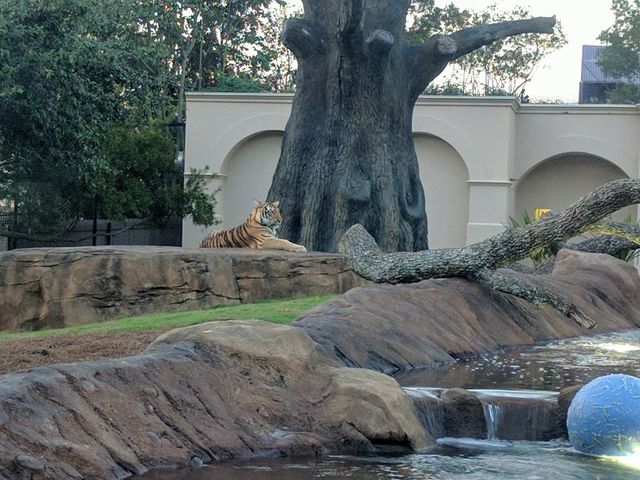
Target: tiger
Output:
[{"x": 259, "y": 231}]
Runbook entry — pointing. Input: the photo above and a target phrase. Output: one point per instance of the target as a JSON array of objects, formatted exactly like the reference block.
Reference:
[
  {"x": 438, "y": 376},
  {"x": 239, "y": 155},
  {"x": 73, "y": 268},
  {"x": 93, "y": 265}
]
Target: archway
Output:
[
  {"x": 248, "y": 169},
  {"x": 444, "y": 176},
  {"x": 559, "y": 181}
]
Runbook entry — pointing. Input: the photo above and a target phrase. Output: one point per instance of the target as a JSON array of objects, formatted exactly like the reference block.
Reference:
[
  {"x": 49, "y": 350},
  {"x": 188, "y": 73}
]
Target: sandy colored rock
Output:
[
  {"x": 393, "y": 327},
  {"x": 57, "y": 287},
  {"x": 384, "y": 414},
  {"x": 213, "y": 391}
]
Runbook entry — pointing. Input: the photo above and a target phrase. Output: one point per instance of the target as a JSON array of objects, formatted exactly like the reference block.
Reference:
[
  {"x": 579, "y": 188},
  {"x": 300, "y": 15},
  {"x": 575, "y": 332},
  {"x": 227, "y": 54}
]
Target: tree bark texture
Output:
[
  {"x": 479, "y": 261},
  {"x": 348, "y": 155}
]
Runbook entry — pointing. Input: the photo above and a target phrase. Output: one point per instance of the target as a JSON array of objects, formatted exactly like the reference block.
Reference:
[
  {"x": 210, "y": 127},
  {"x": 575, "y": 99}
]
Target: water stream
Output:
[
  {"x": 501, "y": 381},
  {"x": 542, "y": 367},
  {"x": 493, "y": 416}
]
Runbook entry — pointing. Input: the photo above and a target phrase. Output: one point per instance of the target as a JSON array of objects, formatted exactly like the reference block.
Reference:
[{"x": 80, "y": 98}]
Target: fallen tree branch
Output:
[
  {"x": 474, "y": 261},
  {"x": 494, "y": 280}
]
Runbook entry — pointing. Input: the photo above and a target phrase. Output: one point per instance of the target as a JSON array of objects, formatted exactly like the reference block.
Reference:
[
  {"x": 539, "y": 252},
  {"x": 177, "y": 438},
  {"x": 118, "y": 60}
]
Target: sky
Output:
[{"x": 558, "y": 76}]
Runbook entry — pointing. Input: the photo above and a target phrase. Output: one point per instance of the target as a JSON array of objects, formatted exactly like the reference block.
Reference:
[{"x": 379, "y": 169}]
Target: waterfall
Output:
[
  {"x": 508, "y": 414},
  {"x": 429, "y": 409},
  {"x": 493, "y": 414}
]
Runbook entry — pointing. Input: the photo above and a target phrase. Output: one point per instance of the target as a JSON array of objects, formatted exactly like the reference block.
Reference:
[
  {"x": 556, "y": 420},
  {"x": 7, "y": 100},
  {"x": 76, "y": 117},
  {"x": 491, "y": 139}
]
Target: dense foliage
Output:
[
  {"x": 621, "y": 57},
  {"x": 85, "y": 87},
  {"x": 65, "y": 72}
]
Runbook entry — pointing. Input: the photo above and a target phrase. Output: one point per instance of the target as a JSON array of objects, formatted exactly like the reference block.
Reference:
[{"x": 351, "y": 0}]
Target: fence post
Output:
[{"x": 108, "y": 236}]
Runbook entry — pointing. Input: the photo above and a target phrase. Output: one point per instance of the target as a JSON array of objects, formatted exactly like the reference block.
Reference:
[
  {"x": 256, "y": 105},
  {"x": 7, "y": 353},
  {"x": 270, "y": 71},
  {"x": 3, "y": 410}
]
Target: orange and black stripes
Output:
[{"x": 261, "y": 225}]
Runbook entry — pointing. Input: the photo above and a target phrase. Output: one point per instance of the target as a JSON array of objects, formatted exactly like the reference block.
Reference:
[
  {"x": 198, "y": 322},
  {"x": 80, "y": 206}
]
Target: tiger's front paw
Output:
[{"x": 300, "y": 248}]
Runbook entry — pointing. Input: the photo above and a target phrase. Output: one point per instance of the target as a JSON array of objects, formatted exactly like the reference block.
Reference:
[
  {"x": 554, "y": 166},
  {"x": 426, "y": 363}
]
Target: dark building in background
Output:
[{"x": 594, "y": 83}]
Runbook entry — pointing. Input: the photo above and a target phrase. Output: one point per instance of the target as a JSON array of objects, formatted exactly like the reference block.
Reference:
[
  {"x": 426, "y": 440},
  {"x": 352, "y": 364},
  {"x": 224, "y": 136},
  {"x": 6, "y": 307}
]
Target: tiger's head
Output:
[{"x": 267, "y": 214}]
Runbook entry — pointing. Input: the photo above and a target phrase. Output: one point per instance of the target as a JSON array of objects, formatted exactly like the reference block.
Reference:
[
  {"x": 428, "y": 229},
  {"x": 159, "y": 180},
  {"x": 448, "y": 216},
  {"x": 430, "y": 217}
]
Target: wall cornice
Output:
[
  {"x": 436, "y": 100},
  {"x": 578, "y": 109},
  {"x": 235, "y": 97}
]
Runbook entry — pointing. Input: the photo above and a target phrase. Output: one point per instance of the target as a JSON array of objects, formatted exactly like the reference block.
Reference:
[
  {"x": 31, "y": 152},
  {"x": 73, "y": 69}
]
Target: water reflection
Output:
[
  {"x": 451, "y": 459},
  {"x": 543, "y": 367}
]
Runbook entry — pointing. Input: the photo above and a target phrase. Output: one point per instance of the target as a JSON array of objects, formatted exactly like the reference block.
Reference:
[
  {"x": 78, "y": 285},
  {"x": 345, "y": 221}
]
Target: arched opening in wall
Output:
[
  {"x": 561, "y": 180},
  {"x": 444, "y": 176},
  {"x": 249, "y": 169}
]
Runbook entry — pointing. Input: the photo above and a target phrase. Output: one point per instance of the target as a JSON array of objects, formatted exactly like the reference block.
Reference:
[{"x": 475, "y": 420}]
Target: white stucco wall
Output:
[
  {"x": 560, "y": 181},
  {"x": 444, "y": 177},
  {"x": 248, "y": 170},
  {"x": 481, "y": 159}
]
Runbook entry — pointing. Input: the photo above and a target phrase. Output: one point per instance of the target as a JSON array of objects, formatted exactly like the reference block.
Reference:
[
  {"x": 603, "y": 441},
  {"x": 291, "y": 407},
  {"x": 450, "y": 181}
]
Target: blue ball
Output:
[{"x": 604, "y": 416}]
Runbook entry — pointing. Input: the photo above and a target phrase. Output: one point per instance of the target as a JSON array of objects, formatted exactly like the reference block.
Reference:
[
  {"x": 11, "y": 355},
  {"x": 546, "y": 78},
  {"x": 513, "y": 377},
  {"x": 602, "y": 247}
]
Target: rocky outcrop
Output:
[
  {"x": 57, "y": 287},
  {"x": 198, "y": 394},
  {"x": 245, "y": 388},
  {"x": 394, "y": 327},
  {"x": 463, "y": 414}
]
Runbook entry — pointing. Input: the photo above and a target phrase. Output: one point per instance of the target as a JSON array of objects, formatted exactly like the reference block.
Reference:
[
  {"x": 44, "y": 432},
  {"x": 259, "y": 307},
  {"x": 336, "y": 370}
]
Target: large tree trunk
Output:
[
  {"x": 478, "y": 262},
  {"x": 347, "y": 154}
]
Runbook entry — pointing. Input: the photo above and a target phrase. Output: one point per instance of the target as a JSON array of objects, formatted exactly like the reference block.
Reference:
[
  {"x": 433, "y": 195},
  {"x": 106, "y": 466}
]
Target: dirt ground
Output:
[{"x": 18, "y": 354}]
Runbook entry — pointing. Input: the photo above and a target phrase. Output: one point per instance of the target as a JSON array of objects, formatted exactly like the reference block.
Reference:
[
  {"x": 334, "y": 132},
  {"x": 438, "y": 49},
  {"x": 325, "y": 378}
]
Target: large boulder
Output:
[
  {"x": 463, "y": 414},
  {"x": 395, "y": 327},
  {"x": 209, "y": 392},
  {"x": 58, "y": 287}
]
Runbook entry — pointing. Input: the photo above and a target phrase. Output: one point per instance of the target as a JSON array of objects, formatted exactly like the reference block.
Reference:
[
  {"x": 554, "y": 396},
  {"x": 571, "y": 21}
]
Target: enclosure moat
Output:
[
  {"x": 537, "y": 372},
  {"x": 552, "y": 366}
]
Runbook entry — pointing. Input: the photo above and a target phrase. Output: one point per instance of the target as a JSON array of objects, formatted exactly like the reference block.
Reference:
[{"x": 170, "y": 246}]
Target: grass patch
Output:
[{"x": 276, "y": 311}]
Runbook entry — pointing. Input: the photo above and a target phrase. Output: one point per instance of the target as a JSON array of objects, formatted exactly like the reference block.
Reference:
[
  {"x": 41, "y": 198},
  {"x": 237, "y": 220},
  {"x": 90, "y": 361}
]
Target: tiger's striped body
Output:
[{"x": 260, "y": 231}]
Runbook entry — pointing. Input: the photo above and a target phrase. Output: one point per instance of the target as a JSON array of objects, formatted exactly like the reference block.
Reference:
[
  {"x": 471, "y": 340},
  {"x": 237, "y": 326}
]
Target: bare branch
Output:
[
  {"x": 472, "y": 38},
  {"x": 380, "y": 42},
  {"x": 496, "y": 281},
  {"x": 610, "y": 237},
  {"x": 303, "y": 38},
  {"x": 430, "y": 58}
]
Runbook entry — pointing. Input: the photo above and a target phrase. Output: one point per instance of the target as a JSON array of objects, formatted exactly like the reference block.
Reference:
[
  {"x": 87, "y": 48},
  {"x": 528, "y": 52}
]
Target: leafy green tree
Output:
[
  {"x": 502, "y": 68},
  {"x": 60, "y": 84},
  {"x": 621, "y": 57},
  {"x": 281, "y": 75},
  {"x": 237, "y": 83},
  {"x": 69, "y": 70},
  {"x": 143, "y": 179}
]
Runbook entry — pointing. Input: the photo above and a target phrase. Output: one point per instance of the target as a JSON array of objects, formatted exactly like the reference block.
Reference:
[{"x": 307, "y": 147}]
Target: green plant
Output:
[
  {"x": 540, "y": 254},
  {"x": 275, "y": 311}
]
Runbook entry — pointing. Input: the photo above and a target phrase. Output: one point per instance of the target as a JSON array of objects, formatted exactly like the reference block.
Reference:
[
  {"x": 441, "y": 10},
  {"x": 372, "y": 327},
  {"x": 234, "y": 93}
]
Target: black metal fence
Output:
[
  {"x": 107, "y": 232},
  {"x": 6, "y": 219}
]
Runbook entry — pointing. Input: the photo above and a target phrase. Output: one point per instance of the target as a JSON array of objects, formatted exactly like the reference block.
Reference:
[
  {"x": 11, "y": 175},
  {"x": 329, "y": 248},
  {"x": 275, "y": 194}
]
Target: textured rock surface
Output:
[
  {"x": 565, "y": 397},
  {"x": 393, "y": 327},
  {"x": 463, "y": 414},
  {"x": 243, "y": 388},
  {"x": 55, "y": 287},
  {"x": 198, "y": 394}
]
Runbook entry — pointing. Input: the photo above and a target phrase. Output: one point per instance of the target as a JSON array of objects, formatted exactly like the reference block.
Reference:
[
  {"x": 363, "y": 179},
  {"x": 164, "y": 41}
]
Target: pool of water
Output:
[
  {"x": 546, "y": 368},
  {"x": 451, "y": 459},
  {"x": 552, "y": 366}
]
